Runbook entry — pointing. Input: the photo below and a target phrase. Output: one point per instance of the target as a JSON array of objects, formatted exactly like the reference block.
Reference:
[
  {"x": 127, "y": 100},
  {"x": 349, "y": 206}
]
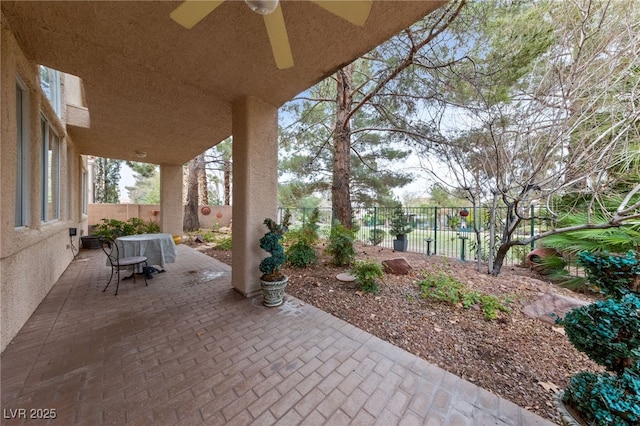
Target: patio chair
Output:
[{"x": 117, "y": 263}]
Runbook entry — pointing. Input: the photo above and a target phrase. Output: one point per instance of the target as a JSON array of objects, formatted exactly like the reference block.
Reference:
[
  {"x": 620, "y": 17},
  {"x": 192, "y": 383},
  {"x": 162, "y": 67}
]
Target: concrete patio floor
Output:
[{"x": 189, "y": 350}]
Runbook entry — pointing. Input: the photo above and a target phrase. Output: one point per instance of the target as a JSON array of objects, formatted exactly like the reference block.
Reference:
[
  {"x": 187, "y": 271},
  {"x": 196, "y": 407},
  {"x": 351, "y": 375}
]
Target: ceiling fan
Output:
[{"x": 190, "y": 12}]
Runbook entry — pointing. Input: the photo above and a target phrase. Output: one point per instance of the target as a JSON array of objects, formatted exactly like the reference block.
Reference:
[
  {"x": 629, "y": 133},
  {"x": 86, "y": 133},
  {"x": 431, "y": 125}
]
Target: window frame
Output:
[
  {"x": 52, "y": 91},
  {"x": 50, "y": 172},
  {"x": 84, "y": 194},
  {"x": 23, "y": 156}
]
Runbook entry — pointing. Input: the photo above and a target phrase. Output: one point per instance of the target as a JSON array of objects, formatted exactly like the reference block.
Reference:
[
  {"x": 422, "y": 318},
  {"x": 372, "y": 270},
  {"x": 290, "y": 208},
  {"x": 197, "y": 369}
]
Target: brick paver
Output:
[{"x": 189, "y": 350}]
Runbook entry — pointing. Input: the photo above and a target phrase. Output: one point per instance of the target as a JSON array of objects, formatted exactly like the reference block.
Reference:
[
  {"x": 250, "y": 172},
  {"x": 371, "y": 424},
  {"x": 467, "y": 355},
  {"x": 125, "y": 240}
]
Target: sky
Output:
[{"x": 126, "y": 179}]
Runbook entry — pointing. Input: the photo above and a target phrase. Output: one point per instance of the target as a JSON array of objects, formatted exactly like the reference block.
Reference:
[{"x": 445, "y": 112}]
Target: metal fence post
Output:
[
  {"x": 375, "y": 224},
  {"x": 463, "y": 250},
  {"x": 532, "y": 227},
  {"x": 435, "y": 230}
]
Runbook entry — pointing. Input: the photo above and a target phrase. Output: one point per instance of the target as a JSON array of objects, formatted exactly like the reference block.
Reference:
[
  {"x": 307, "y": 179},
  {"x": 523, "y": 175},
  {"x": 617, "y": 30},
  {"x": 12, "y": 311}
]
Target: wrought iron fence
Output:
[{"x": 444, "y": 231}]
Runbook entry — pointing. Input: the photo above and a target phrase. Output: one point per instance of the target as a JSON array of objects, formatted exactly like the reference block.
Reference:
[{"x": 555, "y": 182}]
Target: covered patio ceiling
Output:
[{"x": 152, "y": 85}]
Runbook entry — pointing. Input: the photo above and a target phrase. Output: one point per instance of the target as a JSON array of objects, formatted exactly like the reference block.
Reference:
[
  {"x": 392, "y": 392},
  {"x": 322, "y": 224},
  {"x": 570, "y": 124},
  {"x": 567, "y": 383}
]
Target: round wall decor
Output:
[{"x": 205, "y": 210}]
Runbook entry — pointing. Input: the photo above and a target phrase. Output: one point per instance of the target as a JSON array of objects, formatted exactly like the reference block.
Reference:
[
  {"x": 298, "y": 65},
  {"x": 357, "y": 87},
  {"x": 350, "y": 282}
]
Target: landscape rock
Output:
[
  {"x": 551, "y": 306},
  {"x": 398, "y": 266}
]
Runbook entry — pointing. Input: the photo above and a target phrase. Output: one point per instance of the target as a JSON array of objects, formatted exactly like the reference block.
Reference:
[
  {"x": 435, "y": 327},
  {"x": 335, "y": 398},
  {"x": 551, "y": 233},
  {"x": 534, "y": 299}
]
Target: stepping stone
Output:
[
  {"x": 346, "y": 278},
  {"x": 551, "y": 303},
  {"x": 398, "y": 266}
]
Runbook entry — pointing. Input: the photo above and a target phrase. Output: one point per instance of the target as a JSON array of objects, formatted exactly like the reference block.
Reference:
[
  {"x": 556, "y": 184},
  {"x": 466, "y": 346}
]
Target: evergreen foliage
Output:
[
  {"x": 608, "y": 331},
  {"x": 619, "y": 239},
  {"x": 399, "y": 222},
  {"x": 301, "y": 253},
  {"x": 110, "y": 229},
  {"x": 367, "y": 274},
  {"x": 443, "y": 287},
  {"x": 107, "y": 176},
  {"x": 612, "y": 274},
  {"x": 607, "y": 399},
  {"x": 340, "y": 246},
  {"x": 376, "y": 236},
  {"x": 146, "y": 189},
  {"x": 270, "y": 242},
  {"x": 224, "y": 243}
]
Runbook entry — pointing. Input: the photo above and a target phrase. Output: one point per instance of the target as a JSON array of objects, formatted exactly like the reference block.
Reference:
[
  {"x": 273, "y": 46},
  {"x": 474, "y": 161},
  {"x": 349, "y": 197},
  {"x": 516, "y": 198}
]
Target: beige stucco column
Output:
[
  {"x": 255, "y": 187},
  {"x": 171, "y": 208}
]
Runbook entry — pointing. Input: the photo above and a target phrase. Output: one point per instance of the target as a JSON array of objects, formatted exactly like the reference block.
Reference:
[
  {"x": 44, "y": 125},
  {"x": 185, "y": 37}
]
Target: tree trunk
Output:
[
  {"x": 191, "y": 221},
  {"x": 478, "y": 232},
  {"x": 340, "y": 190},
  {"x": 201, "y": 174},
  {"x": 227, "y": 182},
  {"x": 499, "y": 260},
  {"x": 492, "y": 234},
  {"x": 510, "y": 225}
]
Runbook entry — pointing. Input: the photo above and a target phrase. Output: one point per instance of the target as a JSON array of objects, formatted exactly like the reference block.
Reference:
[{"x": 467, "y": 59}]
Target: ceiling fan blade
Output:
[
  {"x": 354, "y": 11},
  {"x": 278, "y": 38},
  {"x": 190, "y": 12}
]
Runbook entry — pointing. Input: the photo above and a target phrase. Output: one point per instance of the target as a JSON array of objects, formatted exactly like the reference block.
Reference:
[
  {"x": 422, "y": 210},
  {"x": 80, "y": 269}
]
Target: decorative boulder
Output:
[{"x": 398, "y": 266}]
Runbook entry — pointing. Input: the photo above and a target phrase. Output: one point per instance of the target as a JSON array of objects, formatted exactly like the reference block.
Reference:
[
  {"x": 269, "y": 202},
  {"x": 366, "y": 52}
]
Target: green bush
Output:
[
  {"x": 608, "y": 331},
  {"x": 376, "y": 236},
  {"x": 612, "y": 274},
  {"x": 224, "y": 243},
  {"x": 399, "y": 222},
  {"x": 607, "y": 399},
  {"x": 443, "y": 287},
  {"x": 208, "y": 236},
  {"x": 114, "y": 228},
  {"x": 301, "y": 254},
  {"x": 270, "y": 242},
  {"x": 340, "y": 245},
  {"x": 367, "y": 274}
]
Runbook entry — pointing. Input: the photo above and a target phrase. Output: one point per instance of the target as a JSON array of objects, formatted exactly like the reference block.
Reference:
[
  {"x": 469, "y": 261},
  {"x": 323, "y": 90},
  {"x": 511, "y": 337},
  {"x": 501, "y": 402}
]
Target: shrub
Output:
[
  {"x": 311, "y": 227},
  {"x": 376, "y": 236},
  {"x": 224, "y": 243},
  {"x": 608, "y": 331},
  {"x": 399, "y": 222},
  {"x": 340, "y": 245},
  {"x": 607, "y": 399},
  {"x": 301, "y": 254},
  {"x": 270, "y": 242},
  {"x": 114, "y": 228},
  {"x": 208, "y": 237},
  {"x": 612, "y": 274},
  {"x": 443, "y": 287},
  {"x": 367, "y": 274}
]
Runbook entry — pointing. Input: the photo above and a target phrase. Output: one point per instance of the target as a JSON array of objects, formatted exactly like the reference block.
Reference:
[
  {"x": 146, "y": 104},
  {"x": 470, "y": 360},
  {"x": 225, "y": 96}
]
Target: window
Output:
[
  {"x": 50, "y": 173},
  {"x": 84, "y": 193},
  {"x": 50, "y": 83},
  {"x": 23, "y": 156}
]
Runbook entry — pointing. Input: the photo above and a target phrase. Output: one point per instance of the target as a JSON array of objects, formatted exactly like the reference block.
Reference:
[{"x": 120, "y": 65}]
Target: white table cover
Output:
[{"x": 158, "y": 248}]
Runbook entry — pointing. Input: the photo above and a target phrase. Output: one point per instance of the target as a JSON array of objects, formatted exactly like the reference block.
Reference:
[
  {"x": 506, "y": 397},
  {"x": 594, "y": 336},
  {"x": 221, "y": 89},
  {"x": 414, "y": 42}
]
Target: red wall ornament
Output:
[
  {"x": 219, "y": 215},
  {"x": 205, "y": 210}
]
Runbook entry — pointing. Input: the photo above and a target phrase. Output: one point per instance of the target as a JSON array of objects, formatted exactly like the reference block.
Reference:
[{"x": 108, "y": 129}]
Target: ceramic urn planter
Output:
[{"x": 273, "y": 292}]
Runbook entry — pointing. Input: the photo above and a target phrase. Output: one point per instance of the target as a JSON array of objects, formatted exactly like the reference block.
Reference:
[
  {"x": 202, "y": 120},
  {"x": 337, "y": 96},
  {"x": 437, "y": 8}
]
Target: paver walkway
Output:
[{"x": 189, "y": 350}]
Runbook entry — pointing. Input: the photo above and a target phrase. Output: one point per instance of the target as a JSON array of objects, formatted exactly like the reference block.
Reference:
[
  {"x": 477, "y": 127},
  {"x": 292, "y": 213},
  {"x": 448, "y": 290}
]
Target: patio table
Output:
[{"x": 158, "y": 248}]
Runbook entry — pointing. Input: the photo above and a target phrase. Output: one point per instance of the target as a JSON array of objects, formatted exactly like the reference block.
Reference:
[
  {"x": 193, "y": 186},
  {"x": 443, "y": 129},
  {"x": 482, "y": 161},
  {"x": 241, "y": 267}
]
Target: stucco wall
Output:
[
  {"x": 32, "y": 257},
  {"x": 27, "y": 277},
  {"x": 219, "y": 215}
]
